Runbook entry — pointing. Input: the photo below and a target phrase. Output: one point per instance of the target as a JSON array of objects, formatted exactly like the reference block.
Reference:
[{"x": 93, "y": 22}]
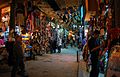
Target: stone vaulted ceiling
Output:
[{"x": 52, "y": 7}]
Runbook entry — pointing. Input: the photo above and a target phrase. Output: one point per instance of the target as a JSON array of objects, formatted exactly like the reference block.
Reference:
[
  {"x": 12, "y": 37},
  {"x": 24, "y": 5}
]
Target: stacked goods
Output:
[{"x": 114, "y": 62}]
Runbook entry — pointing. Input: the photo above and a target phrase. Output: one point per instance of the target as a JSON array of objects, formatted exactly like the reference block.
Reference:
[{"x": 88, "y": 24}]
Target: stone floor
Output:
[{"x": 62, "y": 64}]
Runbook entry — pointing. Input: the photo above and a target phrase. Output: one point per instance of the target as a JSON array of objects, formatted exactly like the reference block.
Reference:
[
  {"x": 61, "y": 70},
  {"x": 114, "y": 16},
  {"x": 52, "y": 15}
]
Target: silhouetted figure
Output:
[
  {"x": 9, "y": 47},
  {"x": 94, "y": 48},
  {"x": 18, "y": 57}
]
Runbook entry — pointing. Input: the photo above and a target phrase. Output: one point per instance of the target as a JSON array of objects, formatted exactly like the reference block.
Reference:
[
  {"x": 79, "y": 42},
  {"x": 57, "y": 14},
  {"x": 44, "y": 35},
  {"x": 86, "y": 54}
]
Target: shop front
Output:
[
  {"x": 5, "y": 17},
  {"x": 4, "y": 24},
  {"x": 103, "y": 20}
]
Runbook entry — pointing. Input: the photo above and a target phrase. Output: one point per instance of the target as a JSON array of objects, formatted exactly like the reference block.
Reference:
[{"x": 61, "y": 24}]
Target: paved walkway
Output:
[{"x": 53, "y": 65}]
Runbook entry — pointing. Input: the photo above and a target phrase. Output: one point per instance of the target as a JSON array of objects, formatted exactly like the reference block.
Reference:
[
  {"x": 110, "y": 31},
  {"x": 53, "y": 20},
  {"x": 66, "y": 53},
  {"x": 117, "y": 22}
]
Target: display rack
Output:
[
  {"x": 113, "y": 69},
  {"x": 113, "y": 64}
]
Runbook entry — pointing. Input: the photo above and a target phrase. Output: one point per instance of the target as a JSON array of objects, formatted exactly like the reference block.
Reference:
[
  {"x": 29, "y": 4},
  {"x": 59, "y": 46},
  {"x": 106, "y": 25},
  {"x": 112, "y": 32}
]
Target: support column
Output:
[
  {"x": 12, "y": 15},
  {"x": 0, "y": 16},
  {"x": 117, "y": 13},
  {"x": 26, "y": 10}
]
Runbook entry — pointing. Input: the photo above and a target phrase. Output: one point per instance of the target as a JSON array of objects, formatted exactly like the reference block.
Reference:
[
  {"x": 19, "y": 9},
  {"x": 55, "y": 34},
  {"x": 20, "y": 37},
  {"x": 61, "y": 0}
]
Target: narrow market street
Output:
[
  {"x": 59, "y": 38},
  {"x": 62, "y": 64}
]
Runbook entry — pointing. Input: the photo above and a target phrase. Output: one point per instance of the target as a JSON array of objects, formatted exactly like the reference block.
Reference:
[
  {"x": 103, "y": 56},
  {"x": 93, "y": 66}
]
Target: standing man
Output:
[
  {"x": 59, "y": 43},
  {"x": 9, "y": 47},
  {"x": 54, "y": 40},
  {"x": 18, "y": 58},
  {"x": 94, "y": 48}
]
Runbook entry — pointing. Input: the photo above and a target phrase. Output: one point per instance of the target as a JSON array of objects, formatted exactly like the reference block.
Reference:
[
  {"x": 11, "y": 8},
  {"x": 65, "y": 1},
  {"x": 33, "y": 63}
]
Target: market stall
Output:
[
  {"x": 114, "y": 62},
  {"x": 113, "y": 65},
  {"x": 27, "y": 46},
  {"x": 3, "y": 52}
]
